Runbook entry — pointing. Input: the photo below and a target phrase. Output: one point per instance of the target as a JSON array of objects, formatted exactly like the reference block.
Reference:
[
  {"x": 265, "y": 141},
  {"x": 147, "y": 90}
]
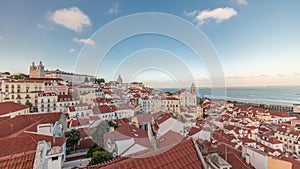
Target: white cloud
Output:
[
  {"x": 72, "y": 18},
  {"x": 114, "y": 9},
  {"x": 72, "y": 50},
  {"x": 218, "y": 14},
  {"x": 84, "y": 41},
  {"x": 191, "y": 14},
  {"x": 242, "y": 2}
]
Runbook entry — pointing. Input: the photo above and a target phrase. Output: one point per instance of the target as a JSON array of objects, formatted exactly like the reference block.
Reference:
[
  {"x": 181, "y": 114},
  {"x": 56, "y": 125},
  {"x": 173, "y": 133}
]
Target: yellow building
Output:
[
  {"x": 87, "y": 98},
  {"x": 274, "y": 163},
  {"x": 166, "y": 104},
  {"x": 22, "y": 91}
]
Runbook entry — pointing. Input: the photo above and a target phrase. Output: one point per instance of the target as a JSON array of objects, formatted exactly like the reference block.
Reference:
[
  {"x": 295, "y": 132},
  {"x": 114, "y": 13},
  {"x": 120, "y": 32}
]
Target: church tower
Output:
[
  {"x": 193, "y": 89},
  {"x": 120, "y": 80},
  {"x": 36, "y": 71}
]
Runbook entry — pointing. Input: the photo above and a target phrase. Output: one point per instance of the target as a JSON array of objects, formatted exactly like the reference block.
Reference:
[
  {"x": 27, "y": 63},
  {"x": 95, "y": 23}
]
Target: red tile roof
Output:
[
  {"x": 229, "y": 127},
  {"x": 121, "y": 121},
  {"x": 194, "y": 130},
  {"x": 64, "y": 97},
  {"x": 42, "y": 79},
  {"x": 8, "y": 107},
  {"x": 279, "y": 114},
  {"x": 80, "y": 122},
  {"x": 47, "y": 94},
  {"x": 24, "y": 160},
  {"x": 104, "y": 109},
  {"x": 14, "y": 126},
  {"x": 81, "y": 105},
  {"x": 144, "y": 118},
  {"x": 94, "y": 118},
  {"x": 171, "y": 98},
  {"x": 168, "y": 140},
  {"x": 83, "y": 144},
  {"x": 26, "y": 142},
  {"x": 182, "y": 156},
  {"x": 102, "y": 100},
  {"x": 295, "y": 163},
  {"x": 163, "y": 117}
]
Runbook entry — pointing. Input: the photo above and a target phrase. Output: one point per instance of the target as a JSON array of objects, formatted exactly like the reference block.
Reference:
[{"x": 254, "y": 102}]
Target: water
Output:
[{"x": 266, "y": 95}]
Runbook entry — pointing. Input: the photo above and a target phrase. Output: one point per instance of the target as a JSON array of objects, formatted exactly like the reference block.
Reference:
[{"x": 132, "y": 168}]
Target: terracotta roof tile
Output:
[
  {"x": 182, "y": 155},
  {"x": 24, "y": 160},
  {"x": 8, "y": 107},
  {"x": 104, "y": 109},
  {"x": 18, "y": 124},
  {"x": 31, "y": 140}
]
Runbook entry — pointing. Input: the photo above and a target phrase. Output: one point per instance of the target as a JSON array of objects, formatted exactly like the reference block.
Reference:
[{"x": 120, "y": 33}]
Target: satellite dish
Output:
[{"x": 114, "y": 154}]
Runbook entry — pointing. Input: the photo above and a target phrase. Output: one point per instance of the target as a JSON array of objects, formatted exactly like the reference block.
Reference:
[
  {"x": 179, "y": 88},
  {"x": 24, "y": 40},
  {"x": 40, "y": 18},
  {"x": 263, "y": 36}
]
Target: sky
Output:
[{"x": 256, "y": 42}]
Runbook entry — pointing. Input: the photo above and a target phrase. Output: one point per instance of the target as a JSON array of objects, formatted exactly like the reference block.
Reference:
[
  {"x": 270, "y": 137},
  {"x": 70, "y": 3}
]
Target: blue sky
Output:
[{"x": 257, "y": 41}]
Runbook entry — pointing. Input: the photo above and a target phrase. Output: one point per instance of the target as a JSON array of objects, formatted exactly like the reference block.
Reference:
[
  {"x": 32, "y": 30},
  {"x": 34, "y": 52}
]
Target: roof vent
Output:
[{"x": 162, "y": 140}]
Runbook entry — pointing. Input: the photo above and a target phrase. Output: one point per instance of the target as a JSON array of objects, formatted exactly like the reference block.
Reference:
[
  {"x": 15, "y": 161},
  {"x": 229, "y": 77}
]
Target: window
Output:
[{"x": 54, "y": 158}]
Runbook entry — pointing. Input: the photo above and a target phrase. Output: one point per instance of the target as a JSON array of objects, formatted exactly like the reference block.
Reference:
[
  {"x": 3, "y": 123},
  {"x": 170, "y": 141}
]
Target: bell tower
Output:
[{"x": 193, "y": 89}]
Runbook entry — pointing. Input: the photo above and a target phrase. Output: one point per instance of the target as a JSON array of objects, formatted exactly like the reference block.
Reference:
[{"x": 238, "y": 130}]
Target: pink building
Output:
[{"x": 57, "y": 88}]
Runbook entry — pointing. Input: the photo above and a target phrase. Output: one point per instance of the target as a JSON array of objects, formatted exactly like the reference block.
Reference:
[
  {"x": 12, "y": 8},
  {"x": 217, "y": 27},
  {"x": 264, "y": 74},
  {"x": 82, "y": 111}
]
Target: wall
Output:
[{"x": 278, "y": 164}]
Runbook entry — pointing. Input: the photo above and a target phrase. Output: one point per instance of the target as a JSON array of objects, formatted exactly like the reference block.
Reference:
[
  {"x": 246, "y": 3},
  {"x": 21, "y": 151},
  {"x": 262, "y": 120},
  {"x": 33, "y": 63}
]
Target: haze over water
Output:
[{"x": 266, "y": 95}]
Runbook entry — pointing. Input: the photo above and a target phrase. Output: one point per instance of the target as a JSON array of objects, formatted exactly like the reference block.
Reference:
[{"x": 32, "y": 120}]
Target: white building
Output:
[
  {"x": 79, "y": 111},
  {"x": 65, "y": 101},
  {"x": 70, "y": 77},
  {"x": 47, "y": 102}
]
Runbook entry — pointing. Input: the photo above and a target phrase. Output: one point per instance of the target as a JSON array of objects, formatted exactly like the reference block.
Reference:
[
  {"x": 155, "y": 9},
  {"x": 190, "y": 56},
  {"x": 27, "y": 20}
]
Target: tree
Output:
[
  {"x": 7, "y": 73},
  {"x": 86, "y": 80},
  {"x": 99, "y": 80},
  {"x": 100, "y": 157},
  {"x": 73, "y": 137},
  {"x": 97, "y": 135},
  {"x": 20, "y": 76},
  {"x": 199, "y": 100},
  {"x": 29, "y": 104},
  {"x": 95, "y": 147},
  {"x": 113, "y": 124}
]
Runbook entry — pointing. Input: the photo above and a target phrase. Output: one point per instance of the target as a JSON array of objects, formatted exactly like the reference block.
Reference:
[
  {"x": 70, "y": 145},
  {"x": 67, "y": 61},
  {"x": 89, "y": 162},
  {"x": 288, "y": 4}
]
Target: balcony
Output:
[{"x": 19, "y": 97}]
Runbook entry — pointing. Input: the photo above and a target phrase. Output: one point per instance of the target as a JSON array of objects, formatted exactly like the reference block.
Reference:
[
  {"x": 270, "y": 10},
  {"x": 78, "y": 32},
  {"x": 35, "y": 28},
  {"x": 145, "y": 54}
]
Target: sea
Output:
[{"x": 263, "y": 95}]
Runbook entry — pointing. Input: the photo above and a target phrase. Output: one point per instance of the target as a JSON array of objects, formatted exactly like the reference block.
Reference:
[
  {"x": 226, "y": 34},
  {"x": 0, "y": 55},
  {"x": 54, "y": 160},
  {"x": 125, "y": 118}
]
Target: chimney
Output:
[
  {"x": 151, "y": 137},
  {"x": 53, "y": 137}
]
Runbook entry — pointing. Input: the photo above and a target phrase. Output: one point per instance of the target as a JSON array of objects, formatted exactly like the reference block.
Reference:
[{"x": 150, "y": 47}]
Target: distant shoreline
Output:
[{"x": 285, "y": 96}]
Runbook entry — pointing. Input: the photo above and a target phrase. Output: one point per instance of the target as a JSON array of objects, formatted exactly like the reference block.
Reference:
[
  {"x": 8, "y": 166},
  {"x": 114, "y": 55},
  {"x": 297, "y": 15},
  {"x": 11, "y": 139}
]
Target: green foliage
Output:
[
  {"x": 95, "y": 147},
  {"x": 7, "y": 73},
  {"x": 28, "y": 104},
  {"x": 100, "y": 157},
  {"x": 18, "y": 77},
  {"x": 199, "y": 100},
  {"x": 97, "y": 135},
  {"x": 86, "y": 80},
  {"x": 113, "y": 124},
  {"x": 73, "y": 137},
  {"x": 99, "y": 80},
  {"x": 230, "y": 101},
  {"x": 205, "y": 115}
]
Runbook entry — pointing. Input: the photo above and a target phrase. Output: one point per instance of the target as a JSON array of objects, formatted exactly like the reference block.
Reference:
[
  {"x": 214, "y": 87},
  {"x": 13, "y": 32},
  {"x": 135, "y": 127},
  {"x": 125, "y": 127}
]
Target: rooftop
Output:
[
  {"x": 9, "y": 107},
  {"x": 183, "y": 155}
]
